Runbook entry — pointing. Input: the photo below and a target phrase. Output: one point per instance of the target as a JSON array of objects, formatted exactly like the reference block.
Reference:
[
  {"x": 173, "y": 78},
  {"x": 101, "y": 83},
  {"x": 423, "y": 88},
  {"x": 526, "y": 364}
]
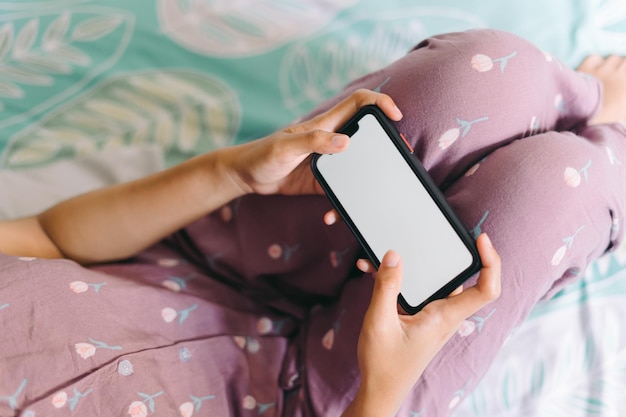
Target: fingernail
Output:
[
  {"x": 339, "y": 141},
  {"x": 331, "y": 218},
  {"x": 488, "y": 240},
  {"x": 398, "y": 112},
  {"x": 391, "y": 259}
]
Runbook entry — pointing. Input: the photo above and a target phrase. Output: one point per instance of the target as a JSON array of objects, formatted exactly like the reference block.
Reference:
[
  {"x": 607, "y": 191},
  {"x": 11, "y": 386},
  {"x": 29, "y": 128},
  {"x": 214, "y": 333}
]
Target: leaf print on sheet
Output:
[
  {"x": 577, "y": 370},
  {"x": 139, "y": 408},
  {"x": 234, "y": 29},
  {"x": 182, "y": 111},
  {"x": 53, "y": 54},
  {"x": 319, "y": 67}
]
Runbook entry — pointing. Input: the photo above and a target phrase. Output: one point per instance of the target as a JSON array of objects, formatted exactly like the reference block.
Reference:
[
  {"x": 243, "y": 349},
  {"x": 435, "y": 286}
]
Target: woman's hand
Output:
[
  {"x": 394, "y": 349},
  {"x": 279, "y": 163}
]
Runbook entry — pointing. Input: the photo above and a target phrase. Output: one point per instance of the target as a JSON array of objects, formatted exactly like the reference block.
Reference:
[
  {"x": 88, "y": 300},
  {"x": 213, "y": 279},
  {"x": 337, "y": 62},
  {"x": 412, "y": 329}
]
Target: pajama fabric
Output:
[{"x": 256, "y": 308}]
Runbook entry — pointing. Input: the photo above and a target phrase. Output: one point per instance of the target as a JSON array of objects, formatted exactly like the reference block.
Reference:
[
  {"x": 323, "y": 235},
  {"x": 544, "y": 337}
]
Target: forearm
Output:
[{"x": 117, "y": 222}]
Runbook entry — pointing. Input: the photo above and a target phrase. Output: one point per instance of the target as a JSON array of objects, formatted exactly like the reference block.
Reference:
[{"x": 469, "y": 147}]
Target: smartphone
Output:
[{"x": 388, "y": 200}]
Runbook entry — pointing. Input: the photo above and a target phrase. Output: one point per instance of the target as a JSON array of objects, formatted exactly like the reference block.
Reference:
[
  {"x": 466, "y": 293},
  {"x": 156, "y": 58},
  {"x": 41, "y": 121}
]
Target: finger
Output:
[
  {"x": 487, "y": 287},
  {"x": 591, "y": 63},
  {"x": 456, "y": 292},
  {"x": 387, "y": 284},
  {"x": 338, "y": 115}
]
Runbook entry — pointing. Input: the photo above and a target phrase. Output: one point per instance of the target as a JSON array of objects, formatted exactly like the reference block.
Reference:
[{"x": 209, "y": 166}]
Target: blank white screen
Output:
[{"x": 392, "y": 210}]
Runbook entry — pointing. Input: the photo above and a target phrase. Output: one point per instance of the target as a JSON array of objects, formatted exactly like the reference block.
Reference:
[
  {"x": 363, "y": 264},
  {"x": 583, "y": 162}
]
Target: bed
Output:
[{"x": 97, "y": 92}]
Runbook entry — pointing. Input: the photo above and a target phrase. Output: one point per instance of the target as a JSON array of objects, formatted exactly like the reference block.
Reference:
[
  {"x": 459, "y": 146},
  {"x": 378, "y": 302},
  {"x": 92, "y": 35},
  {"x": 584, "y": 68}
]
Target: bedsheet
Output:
[{"x": 80, "y": 76}]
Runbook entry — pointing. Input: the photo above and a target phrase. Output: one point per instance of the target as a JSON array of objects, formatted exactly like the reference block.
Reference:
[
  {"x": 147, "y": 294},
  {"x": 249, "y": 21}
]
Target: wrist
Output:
[{"x": 373, "y": 403}]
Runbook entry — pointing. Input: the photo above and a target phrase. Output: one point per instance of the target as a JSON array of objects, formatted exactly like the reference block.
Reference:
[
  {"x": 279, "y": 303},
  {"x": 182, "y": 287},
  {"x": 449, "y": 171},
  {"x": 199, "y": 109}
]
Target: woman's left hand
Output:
[{"x": 279, "y": 163}]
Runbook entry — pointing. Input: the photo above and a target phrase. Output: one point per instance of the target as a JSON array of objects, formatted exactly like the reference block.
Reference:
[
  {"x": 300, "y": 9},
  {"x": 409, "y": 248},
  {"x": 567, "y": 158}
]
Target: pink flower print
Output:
[
  {"x": 329, "y": 339},
  {"x": 87, "y": 350},
  {"x": 59, "y": 400},
  {"x": 168, "y": 262},
  {"x": 336, "y": 257},
  {"x": 276, "y": 251},
  {"x": 240, "y": 340},
  {"x": 480, "y": 321},
  {"x": 484, "y": 63},
  {"x": 568, "y": 242},
  {"x": 467, "y": 328},
  {"x": 573, "y": 177},
  {"x": 187, "y": 409},
  {"x": 474, "y": 168},
  {"x": 252, "y": 345},
  {"x": 458, "y": 396},
  {"x": 451, "y": 136},
  {"x": 184, "y": 354},
  {"x": 80, "y": 286},
  {"x": 612, "y": 158},
  {"x": 125, "y": 368},
  {"x": 249, "y": 402},
  {"x": 169, "y": 314},
  {"x": 177, "y": 284},
  {"x": 264, "y": 325},
  {"x": 137, "y": 409}
]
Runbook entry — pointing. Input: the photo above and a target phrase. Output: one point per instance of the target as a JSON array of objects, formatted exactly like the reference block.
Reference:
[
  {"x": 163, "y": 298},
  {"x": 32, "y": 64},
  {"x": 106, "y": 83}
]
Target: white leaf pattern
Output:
[
  {"x": 234, "y": 28},
  {"x": 41, "y": 49},
  {"x": 25, "y": 39},
  {"x": 95, "y": 28},
  {"x": 174, "y": 109}
]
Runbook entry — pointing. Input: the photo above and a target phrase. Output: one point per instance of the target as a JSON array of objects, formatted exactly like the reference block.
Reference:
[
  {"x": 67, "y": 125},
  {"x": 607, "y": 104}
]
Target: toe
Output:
[{"x": 591, "y": 63}]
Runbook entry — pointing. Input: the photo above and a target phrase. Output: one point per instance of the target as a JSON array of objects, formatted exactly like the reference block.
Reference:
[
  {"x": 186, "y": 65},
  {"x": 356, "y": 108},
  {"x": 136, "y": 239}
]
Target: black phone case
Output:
[{"x": 349, "y": 129}]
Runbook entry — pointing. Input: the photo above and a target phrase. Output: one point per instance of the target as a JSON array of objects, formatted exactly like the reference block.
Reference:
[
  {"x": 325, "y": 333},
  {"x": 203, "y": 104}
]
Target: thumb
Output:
[{"x": 387, "y": 284}]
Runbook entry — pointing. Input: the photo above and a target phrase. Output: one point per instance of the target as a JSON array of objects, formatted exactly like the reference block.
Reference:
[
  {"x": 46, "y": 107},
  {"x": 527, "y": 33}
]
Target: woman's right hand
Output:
[{"x": 394, "y": 349}]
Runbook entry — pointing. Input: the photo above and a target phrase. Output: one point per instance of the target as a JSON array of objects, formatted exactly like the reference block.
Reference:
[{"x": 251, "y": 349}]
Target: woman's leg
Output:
[
  {"x": 551, "y": 203},
  {"x": 466, "y": 94}
]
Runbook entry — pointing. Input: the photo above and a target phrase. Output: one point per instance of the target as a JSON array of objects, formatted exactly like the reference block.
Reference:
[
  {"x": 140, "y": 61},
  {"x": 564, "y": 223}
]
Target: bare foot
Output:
[{"x": 611, "y": 72}]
